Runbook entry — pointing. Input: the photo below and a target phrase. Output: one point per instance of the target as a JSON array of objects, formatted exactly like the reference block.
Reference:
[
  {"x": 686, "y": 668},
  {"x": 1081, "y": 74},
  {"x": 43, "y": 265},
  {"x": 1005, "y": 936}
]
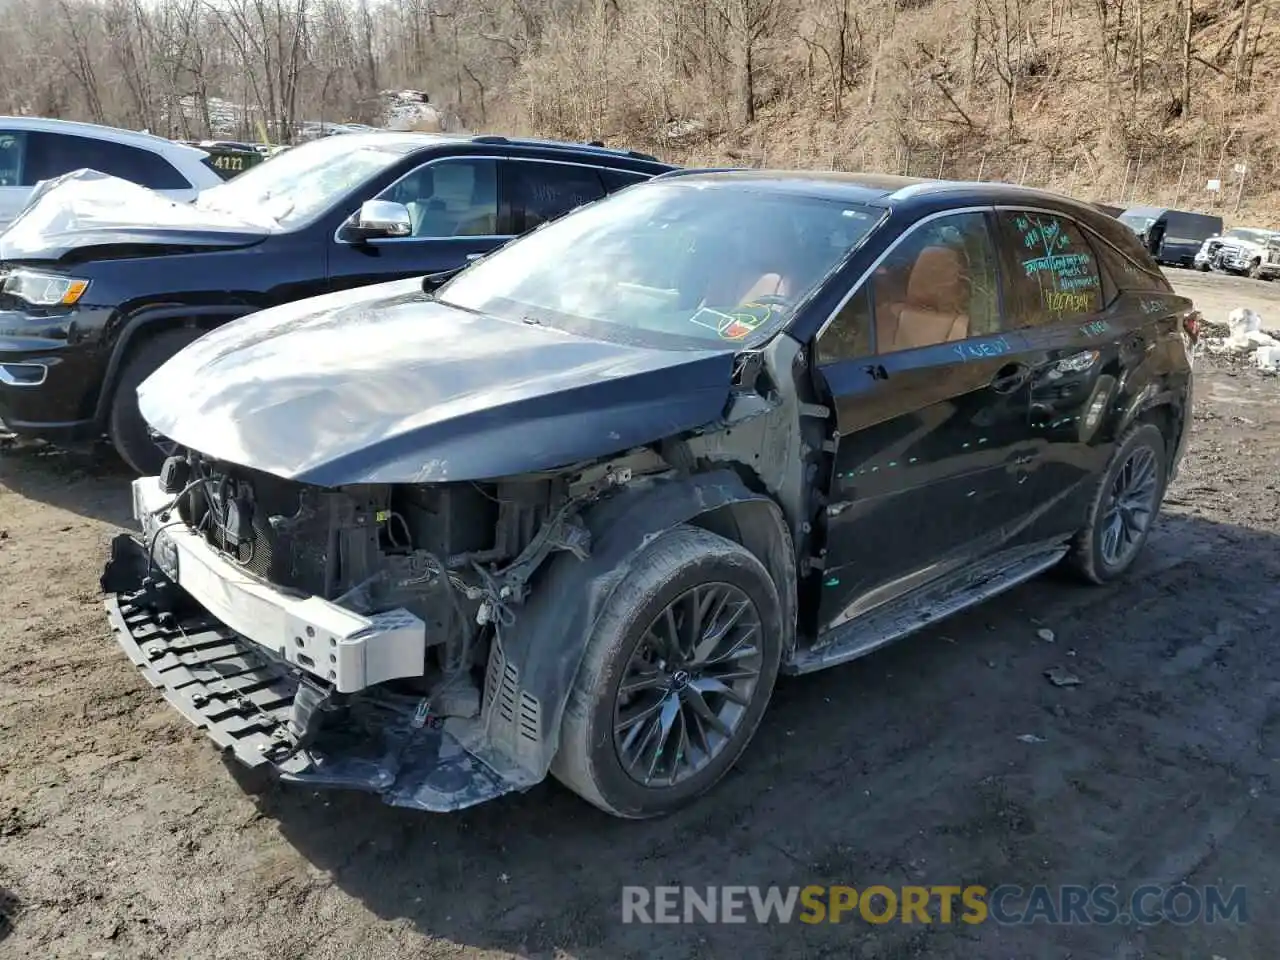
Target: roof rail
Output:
[
  {"x": 686, "y": 171},
  {"x": 562, "y": 145}
]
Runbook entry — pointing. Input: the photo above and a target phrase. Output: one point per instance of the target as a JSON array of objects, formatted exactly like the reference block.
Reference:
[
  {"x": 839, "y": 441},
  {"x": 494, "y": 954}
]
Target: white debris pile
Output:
[
  {"x": 410, "y": 110},
  {"x": 1247, "y": 334},
  {"x": 676, "y": 130}
]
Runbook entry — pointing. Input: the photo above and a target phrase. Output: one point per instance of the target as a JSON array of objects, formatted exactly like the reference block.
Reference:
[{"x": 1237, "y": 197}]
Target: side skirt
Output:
[{"x": 919, "y": 609}]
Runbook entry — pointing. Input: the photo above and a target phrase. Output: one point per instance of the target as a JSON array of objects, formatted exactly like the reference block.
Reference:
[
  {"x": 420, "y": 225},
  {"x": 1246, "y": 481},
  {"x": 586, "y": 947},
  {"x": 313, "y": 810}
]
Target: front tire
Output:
[
  {"x": 675, "y": 678},
  {"x": 1255, "y": 270},
  {"x": 1124, "y": 507},
  {"x": 128, "y": 431}
]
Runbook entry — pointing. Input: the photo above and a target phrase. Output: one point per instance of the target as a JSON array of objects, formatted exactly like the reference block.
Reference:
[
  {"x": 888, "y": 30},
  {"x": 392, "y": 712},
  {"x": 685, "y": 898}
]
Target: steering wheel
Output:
[{"x": 768, "y": 300}]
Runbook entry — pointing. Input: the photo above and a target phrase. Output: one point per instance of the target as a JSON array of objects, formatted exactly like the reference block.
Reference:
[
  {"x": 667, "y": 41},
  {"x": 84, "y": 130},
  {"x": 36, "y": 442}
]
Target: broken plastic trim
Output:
[{"x": 250, "y": 704}]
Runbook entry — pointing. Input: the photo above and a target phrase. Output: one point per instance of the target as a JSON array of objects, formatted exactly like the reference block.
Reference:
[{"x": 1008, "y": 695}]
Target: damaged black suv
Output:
[
  {"x": 577, "y": 509},
  {"x": 102, "y": 281}
]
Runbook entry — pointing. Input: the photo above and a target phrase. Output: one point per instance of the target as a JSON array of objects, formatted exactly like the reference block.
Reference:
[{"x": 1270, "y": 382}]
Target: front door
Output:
[
  {"x": 931, "y": 399},
  {"x": 15, "y": 184},
  {"x": 458, "y": 214}
]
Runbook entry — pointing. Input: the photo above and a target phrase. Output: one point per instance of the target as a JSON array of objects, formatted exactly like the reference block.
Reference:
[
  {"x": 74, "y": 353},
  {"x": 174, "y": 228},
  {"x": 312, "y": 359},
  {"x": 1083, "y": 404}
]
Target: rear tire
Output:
[
  {"x": 667, "y": 737},
  {"x": 126, "y": 428},
  {"x": 1123, "y": 508}
]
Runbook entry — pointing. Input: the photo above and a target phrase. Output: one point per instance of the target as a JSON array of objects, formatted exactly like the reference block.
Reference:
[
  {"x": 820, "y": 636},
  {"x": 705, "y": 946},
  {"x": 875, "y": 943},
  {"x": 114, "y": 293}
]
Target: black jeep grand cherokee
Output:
[{"x": 103, "y": 281}]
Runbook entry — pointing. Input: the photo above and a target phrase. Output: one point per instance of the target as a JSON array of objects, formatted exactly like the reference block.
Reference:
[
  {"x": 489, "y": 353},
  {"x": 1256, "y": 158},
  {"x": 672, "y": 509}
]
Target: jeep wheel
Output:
[
  {"x": 128, "y": 431},
  {"x": 1123, "y": 509},
  {"x": 1255, "y": 270},
  {"x": 675, "y": 677}
]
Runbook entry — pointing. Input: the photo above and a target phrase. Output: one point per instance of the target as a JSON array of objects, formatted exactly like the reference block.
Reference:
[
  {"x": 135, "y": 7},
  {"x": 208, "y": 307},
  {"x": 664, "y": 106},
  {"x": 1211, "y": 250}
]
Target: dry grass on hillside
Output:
[{"x": 1082, "y": 97}]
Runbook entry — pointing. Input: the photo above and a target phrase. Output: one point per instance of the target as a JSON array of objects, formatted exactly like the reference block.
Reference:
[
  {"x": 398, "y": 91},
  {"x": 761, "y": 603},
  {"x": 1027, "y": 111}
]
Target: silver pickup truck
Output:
[{"x": 1247, "y": 251}]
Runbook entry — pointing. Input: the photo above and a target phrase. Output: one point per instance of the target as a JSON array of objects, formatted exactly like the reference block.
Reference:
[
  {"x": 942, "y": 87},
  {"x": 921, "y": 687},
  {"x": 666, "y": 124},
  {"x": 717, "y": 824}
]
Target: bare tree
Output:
[
  {"x": 1241, "y": 78},
  {"x": 748, "y": 22},
  {"x": 1189, "y": 9}
]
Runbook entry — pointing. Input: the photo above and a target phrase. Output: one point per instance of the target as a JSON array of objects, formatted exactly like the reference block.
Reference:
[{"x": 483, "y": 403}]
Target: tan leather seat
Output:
[
  {"x": 730, "y": 289},
  {"x": 934, "y": 308},
  {"x": 769, "y": 285}
]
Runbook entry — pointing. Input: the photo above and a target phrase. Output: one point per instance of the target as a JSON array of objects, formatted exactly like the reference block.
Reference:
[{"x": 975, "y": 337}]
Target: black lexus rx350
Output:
[{"x": 576, "y": 510}]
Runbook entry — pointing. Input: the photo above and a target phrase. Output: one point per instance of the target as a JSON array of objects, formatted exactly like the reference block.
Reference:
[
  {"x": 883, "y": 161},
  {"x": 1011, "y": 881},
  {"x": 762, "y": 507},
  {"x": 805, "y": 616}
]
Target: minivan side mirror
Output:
[{"x": 380, "y": 218}]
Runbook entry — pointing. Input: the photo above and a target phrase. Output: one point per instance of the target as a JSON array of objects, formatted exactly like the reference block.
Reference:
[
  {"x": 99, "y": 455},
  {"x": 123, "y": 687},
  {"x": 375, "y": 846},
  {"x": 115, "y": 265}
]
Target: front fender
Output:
[
  {"x": 533, "y": 662},
  {"x": 140, "y": 322}
]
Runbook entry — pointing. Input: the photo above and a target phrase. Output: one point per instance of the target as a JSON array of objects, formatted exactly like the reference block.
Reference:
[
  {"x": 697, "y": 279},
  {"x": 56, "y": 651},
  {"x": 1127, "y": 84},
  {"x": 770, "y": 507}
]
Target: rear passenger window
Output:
[
  {"x": 1125, "y": 273},
  {"x": 545, "y": 191},
  {"x": 615, "y": 180},
  {"x": 1050, "y": 275},
  {"x": 53, "y": 154}
]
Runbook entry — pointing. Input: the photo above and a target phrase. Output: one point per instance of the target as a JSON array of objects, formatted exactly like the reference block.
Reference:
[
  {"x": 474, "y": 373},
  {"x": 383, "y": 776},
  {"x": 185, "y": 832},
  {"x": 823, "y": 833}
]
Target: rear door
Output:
[
  {"x": 931, "y": 406},
  {"x": 459, "y": 210},
  {"x": 1079, "y": 333}
]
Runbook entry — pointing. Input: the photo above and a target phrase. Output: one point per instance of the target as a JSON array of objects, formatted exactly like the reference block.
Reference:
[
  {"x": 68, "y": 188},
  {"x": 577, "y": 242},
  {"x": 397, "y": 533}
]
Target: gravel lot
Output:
[{"x": 123, "y": 835}]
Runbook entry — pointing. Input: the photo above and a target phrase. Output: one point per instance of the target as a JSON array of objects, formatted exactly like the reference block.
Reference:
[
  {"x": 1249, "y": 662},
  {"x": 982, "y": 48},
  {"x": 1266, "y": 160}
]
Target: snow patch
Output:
[
  {"x": 1247, "y": 334},
  {"x": 397, "y": 110}
]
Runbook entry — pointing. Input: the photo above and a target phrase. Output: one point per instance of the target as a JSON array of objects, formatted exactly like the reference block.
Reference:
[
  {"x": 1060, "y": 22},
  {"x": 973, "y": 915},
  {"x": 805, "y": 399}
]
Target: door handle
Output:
[
  {"x": 474, "y": 256},
  {"x": 1010, "y": 377}
]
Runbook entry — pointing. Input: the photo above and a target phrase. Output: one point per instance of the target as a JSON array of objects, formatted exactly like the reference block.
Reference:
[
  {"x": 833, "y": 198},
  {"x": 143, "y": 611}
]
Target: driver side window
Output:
[
  {"x": 937, "y": 285},
  {"x": 450, "y": 198}
]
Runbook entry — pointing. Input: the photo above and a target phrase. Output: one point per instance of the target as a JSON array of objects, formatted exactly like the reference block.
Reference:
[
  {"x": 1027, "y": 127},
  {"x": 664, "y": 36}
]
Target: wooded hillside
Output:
[{"x": 1116, "y": 100}]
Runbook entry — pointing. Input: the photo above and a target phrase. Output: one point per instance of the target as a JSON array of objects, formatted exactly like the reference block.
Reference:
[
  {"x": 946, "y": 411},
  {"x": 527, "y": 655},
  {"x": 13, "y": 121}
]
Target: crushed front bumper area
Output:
[{"x": 270, "y": 714}]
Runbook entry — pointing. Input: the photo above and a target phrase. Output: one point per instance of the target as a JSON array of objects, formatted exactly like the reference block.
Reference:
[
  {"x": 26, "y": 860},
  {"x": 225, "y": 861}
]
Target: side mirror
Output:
[{"x": 381, "y": 218}]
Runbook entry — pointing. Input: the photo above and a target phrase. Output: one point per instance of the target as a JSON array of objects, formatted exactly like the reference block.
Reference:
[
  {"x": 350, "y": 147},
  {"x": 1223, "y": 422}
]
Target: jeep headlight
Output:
[{"x": 45, "y": 289}]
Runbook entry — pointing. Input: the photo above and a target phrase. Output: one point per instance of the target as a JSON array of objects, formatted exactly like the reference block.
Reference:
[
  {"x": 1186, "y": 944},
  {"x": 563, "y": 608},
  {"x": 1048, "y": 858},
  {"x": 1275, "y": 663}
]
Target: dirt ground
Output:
[{"x": 123, "y": 835}]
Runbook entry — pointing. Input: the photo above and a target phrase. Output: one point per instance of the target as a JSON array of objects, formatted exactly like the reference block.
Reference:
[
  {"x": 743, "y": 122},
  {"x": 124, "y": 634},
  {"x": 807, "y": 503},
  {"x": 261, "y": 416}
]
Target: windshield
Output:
[
  {"x": 710, "y": 264},
  {"x": 298, "y": 185},
  {"x": 1137, "y": 222},
  {"x": 1251, "y": 234}
]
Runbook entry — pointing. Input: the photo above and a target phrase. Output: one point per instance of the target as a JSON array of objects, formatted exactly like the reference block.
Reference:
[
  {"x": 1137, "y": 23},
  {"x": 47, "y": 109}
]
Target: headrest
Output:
[{"x": 939, "y": 281}]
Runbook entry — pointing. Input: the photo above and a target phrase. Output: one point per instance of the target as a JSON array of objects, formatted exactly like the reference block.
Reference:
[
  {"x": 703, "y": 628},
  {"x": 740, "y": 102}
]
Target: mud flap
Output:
[{"x": 264, "y": 712}]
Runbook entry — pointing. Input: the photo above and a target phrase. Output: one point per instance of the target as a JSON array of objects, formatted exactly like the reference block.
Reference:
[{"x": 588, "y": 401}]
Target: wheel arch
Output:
[
  {"x": 534, "y": 661},
  {"x": 1169, "y": 411},
  {"x": 146, "y": 322}
]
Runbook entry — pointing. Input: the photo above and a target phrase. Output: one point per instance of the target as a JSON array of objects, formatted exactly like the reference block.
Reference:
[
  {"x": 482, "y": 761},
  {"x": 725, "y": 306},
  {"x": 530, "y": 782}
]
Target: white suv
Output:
[{"x": 32, "y": 150}]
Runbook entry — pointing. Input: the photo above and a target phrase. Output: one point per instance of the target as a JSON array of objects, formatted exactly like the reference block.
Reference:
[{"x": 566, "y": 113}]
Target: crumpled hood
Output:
[
  {"x": 385, "y": 385},
  {"x": 86, "y": 209}
]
